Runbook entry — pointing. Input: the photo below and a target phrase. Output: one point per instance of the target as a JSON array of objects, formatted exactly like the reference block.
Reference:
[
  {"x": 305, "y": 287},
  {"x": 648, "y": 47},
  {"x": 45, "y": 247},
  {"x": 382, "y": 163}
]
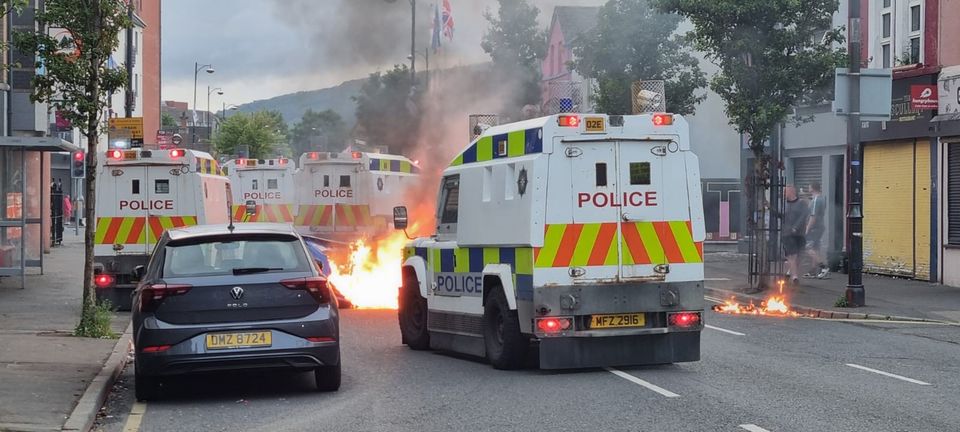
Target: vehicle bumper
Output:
[
  {"x": 582, "y": 352},
  {"x": 188, "y": 352}
]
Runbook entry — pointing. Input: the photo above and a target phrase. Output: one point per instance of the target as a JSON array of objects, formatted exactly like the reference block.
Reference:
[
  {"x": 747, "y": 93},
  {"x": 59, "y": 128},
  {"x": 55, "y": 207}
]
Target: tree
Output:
[
  {"x": 771, "y": 54},
  {"x": 633, "y": 41},
  {"x": 324, "y": 128},
  {"x": 387, "y": 109},
  {"x": 77, "y": 82},
  {"x": 168, "y": 121},
  {"x": 516, "y": 45},
  {"x": 262, "y": 132}
]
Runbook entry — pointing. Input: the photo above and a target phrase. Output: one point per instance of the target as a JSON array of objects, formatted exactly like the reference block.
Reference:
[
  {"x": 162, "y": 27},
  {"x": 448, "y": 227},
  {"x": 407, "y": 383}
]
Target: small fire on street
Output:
[{"x": 772, "y": 306}]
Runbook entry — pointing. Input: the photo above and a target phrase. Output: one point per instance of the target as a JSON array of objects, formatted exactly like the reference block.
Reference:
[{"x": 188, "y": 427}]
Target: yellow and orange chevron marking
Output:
[
  {"x": 666, "y": 242},
  {"x": 314, "y": 215},
  {"x": 265, "y": 213},
  {"x": 353, "y": 215},
  {"x": 137, "y": 230}
]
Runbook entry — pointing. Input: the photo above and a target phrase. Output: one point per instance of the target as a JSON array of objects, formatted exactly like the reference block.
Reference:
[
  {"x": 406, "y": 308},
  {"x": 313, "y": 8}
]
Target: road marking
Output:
[
  {"x": 723, "y": 330},
  {"x": 888, "y": 374},
  {"x": 713, "y": 299},
  {"x": 753, "y": 428},
  {"x": 872, "y": 321},
  {"x": 716, "y": 279},
  {"x": 136, "y": 417},
  {"x": 643, "y": 383}
]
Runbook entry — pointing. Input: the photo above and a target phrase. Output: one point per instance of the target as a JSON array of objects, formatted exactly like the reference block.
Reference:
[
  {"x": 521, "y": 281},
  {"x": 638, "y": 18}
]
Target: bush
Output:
[
  {"x": 98, "y": 322},
  {"x": 841, "y": 302}
]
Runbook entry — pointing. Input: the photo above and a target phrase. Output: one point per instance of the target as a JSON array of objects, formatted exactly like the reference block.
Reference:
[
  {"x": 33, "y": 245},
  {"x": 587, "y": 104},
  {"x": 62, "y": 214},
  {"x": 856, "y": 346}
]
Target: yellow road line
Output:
[{"x": 136, "y": 416}]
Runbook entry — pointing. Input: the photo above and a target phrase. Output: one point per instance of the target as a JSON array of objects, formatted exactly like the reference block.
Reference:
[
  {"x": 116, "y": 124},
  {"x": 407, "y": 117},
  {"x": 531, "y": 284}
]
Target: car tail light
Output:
[
  {"x": 155, "y": 348},
  {"x": 320, "y": 339},
  {"x": 103, "y": 280},
  {"x": 316, "y": 286},
  {"x": 552, "y": 325},
  {"x": 684, "y": 319},
  {"x": 115, "y": 154},
  {"x": 357, "y": 155},
  {"x": 313, "y": 155},
  {"x": 568, "y": 120},
  {"x": 282, "y": 162},
  {"x": 152, "y": 295},
  {"x": 662, "y": 119},
  {"x": 176, "y": 153}
]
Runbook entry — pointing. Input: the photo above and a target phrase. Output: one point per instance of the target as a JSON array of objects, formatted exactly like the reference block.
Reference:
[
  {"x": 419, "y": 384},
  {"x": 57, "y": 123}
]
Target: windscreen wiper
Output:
[{"x": 249, "y": 270}]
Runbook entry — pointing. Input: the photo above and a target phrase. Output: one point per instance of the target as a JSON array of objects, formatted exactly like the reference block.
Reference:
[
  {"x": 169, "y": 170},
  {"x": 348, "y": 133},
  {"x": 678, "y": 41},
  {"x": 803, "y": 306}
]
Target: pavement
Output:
[
  {"x": 896, "y": 298},
  {"x": 44, "y": 370}
]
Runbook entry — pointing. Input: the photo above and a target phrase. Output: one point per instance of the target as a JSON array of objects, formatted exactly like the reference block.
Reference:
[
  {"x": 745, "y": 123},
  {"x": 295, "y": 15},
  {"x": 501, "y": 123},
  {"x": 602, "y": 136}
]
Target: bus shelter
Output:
[{"x": 24, "y": 182}]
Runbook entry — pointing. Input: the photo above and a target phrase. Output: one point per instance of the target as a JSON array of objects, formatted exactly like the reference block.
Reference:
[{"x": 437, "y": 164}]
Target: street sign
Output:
[
  {"x": 177, "y": 139},
  {"x": 876, "y": 91},
  {"x": 132, "y": 124}
]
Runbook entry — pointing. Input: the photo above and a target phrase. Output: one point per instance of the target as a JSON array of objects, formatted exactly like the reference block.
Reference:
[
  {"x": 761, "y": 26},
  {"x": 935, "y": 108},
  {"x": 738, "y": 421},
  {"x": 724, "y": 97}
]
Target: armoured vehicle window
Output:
[
  {"x": 451, "y": 196},
  {"x": 135, "y": 186},
  {"x": 601, "y": 174},
  {"x": 272, "y": 184},
  {"x": 161, "y": 186},
  {"x": 345, "y": 181},
  {"x": 639, "y": 173}
]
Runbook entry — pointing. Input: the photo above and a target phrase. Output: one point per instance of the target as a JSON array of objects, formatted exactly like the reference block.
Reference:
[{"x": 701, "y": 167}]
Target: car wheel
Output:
[
  {"x": 327, "y": 378},
  {"x": 506, "y": 346},
  {"x": 413, "y": 316},
  {"x": 146, "y": 387}
]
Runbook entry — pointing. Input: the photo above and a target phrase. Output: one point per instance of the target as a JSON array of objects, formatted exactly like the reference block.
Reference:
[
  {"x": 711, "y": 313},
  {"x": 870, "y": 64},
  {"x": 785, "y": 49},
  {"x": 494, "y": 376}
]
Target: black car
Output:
[{"x": 218, "y": 298}]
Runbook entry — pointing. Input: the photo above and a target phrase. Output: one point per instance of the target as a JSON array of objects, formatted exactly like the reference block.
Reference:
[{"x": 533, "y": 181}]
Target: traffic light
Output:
[{"x": 78, "y": 169}]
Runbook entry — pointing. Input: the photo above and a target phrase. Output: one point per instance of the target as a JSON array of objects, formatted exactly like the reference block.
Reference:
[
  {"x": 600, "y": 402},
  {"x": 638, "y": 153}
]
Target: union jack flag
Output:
[
  {"x": 442, "y": 25},
  {"x": 447, "y": 20}
]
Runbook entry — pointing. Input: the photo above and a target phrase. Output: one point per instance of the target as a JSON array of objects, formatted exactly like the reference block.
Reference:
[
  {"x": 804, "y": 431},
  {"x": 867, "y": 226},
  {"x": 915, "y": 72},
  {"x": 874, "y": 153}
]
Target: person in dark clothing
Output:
[{"x": 794, "y": 227}]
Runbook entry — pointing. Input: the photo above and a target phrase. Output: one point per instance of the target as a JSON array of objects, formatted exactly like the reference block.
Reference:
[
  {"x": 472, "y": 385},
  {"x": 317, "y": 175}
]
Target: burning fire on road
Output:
[{"x": 773, "y": 306}]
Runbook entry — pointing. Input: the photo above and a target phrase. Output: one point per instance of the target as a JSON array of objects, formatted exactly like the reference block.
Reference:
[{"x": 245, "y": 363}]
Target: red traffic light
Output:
[{"x": 78, "y": 156}]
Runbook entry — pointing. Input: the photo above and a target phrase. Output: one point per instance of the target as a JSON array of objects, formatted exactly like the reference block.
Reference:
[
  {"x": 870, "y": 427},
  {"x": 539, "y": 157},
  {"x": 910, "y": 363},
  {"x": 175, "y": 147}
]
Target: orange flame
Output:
[
  {"x": 370, "y": 275},
  {"x": 774, "y": 305}
]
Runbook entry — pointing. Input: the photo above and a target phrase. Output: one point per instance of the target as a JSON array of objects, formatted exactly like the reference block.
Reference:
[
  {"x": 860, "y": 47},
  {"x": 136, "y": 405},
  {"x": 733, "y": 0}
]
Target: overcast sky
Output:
[{"x": 265, "y": 48}]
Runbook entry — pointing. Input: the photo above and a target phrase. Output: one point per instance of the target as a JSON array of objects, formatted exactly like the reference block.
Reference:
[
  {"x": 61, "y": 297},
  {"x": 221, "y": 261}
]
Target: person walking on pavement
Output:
[
  {"x": 795, "y": 216},
  {"x": 814, "y": 233}
]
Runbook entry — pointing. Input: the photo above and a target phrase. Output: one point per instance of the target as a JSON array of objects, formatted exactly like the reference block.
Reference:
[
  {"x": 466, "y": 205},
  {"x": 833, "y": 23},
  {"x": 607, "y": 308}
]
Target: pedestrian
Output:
[
  {"x": 67, "y": 208},
  {"x": 794, "y": 227},
  {"x": 815, "y": 229}
]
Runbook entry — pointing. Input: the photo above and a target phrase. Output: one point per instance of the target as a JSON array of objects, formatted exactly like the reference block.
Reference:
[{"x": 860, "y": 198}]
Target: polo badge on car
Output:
[{"x": 236, "y": 293}]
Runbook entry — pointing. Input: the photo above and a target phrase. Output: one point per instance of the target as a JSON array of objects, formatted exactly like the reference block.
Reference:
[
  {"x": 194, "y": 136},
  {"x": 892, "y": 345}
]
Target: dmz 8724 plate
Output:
[
  {"x": 617, "y": 320},
  {"x": 235, "y": 340}
]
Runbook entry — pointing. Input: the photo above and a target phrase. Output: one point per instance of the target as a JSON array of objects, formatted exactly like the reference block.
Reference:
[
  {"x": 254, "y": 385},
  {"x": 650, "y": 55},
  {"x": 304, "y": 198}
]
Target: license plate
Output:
[
  {"x": 128, "y": 155},
  {"x": 617, "y": 320},
  {"x": 594, "y": 125},
  {"x": 234, "y": 340}
]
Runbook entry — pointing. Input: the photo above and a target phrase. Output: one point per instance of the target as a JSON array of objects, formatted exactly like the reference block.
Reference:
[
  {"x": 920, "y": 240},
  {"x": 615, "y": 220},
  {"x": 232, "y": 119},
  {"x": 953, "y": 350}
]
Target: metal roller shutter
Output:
[
  {"x": 806, "y": 170},
  {"x": 953, "y": 193}
]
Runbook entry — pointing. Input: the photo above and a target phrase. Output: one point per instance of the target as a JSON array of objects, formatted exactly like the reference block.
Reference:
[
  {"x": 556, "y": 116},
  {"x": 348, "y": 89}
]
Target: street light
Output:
[
  {"x": 196, "y": 71},
  {"x": 206, "y": 116},
  {"x": 223, "y": 112},
  {"x": 426, "y": 59},
  {"x": 413, "y": 37}
]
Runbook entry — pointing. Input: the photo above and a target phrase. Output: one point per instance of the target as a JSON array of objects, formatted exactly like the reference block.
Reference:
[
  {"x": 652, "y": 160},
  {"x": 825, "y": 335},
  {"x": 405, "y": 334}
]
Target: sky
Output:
[{"x": 264, "y": 48}]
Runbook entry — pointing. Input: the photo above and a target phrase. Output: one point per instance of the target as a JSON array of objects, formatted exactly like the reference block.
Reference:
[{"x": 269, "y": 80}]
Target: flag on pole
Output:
[
  {"x": 447, "y": 18},
  {"x": 435, "y": 30}
]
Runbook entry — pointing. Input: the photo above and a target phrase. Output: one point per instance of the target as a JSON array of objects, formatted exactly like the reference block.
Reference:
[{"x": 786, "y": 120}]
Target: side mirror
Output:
[
  {"x": 400, "y": 217},
  {"x": 138, "y": 272},
  {"x": 251, "y": 207}
]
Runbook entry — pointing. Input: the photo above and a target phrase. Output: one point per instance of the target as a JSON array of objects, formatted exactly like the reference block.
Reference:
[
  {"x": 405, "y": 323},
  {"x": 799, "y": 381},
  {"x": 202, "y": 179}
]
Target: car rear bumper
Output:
[
  {"x": 583, "y": 352},
  {"x": 305, "y": 358}
]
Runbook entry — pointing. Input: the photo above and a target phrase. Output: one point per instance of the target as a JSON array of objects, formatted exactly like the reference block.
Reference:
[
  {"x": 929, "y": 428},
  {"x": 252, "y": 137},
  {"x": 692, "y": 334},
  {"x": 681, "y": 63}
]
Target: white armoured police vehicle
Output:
[
  {"x": 580, "y": 233},
  {"x": 266, "y": 182},
  {"x": 142, "y": 193},
  {"x": 352, "y": 192}
]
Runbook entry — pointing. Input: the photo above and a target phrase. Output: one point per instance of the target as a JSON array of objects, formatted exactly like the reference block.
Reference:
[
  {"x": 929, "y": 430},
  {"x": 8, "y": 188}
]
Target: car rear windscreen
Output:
[{"x": 226, "y": 257}]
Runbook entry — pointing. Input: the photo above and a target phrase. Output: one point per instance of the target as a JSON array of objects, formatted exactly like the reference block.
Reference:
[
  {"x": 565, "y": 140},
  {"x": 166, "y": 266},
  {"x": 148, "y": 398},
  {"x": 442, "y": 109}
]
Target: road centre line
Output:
[
  {"x": 642, "y": 383},
  {"x": 753, "y": 428},
  {"x": 724, "y": 330},
  {"x": 888, "y": 374},
  {"x": 136, "y": 417},
  {"x": 712, "y": 299}
]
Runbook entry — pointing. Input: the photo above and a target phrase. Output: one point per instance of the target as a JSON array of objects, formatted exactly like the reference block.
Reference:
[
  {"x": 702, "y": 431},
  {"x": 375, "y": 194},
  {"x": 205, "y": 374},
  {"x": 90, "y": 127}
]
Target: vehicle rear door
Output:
[
  {"x": 164, "y": 208},
  {"x": 589, "y": 244}
]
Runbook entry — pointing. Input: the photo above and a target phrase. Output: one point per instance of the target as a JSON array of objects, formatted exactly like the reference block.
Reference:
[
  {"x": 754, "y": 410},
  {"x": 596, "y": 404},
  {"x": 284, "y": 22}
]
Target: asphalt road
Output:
[{"x": 757, "y": 373}]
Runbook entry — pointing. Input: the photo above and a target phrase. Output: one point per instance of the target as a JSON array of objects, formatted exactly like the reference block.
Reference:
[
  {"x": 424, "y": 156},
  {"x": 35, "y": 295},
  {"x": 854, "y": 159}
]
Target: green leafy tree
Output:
[
  {"x": 631, "y": 42},
  {"x": 517, "y": 45},
  {"x": 324, "y": 128},
  {"x": 168, "y": 121},
  {"x": 77, "y": 82},
  {"x": 387, "y": 109},
  {"x": 260, "y": 132}
]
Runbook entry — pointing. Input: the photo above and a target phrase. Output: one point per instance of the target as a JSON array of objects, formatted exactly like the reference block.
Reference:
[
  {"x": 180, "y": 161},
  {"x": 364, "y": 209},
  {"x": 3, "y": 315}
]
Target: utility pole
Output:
[
  {"x": 855, "y": 293},
  {"x": 128, "y": 100}
]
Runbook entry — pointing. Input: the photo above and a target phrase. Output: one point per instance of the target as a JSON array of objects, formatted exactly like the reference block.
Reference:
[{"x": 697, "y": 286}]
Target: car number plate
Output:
[
  {"x": 617, "y": 320},
  {"x": 233, "y": 340}
]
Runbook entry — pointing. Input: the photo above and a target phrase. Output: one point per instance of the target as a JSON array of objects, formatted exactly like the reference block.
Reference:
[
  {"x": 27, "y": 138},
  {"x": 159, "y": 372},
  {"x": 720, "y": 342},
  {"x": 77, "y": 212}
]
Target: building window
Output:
[
  {"x": 886, "y": 3},
  {"x": 886, "y": 56},
  {"x": 915, "y": 18},
  {"x": 915, "y": 29},
  {"x": 886, "y": 25},
  {"x": 915, "y": 50}
]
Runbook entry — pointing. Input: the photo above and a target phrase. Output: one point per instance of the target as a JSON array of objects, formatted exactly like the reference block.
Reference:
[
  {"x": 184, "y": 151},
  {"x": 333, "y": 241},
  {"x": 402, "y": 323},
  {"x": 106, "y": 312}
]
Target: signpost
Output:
[{"x": 129, "y": 127}]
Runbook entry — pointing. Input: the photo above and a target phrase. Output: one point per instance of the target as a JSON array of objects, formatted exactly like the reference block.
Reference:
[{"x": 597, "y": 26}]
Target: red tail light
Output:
[
  {"x": 684, "y": 319},
  {"x": 176, "y": 153},
  {"x": 313, "y": 155},
  {"x": 151, "y": 296},
  {"x": 662, "y": 119},
  {"x": 115, "y": 154},
  {"x": 553, "y": 324},
  {"x": 316, "y": 286},
  {"x": 568, "y": 121},
  {"x": 103, "y": 280},
  {"x": 155, "y": 348},
  {"x": 357, "y": 155},
  {"x": 320, "y": 339},
  {"x": 283, "y": 162}
]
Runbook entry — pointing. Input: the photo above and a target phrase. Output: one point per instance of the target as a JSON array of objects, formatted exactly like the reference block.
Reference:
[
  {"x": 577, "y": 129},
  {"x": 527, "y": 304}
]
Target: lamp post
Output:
[
  {"x": 426, "y": 61},
  {"x": 206, "y": 116},
  {"x": 196, "y": 71},
  {"x": 223, "y": 112}
]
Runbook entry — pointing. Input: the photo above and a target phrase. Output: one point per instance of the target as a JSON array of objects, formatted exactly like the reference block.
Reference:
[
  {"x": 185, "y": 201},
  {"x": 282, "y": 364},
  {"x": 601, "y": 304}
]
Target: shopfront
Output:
[
  {"x": 947, "y": 125},
  {"x": 899, "y": 175}
]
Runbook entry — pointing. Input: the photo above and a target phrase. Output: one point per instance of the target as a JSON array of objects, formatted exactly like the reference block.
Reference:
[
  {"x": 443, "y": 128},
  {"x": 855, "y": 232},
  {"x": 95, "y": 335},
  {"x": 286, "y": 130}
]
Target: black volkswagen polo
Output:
[{"x": 214, "y": 298}]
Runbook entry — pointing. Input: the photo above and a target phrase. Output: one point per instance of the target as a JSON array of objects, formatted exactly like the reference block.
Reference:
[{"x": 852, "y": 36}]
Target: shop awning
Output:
[{"x": 43, "y": 144}]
